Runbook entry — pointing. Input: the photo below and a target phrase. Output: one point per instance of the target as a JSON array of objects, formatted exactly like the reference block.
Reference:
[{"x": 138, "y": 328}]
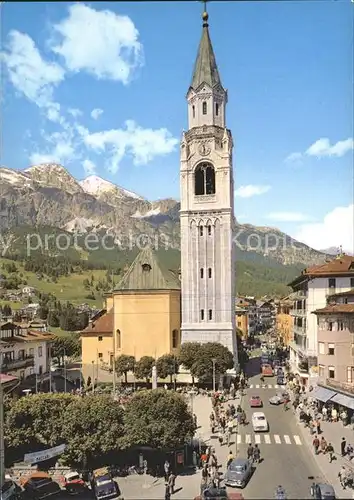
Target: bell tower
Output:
[{"x": 207, "y": 208}]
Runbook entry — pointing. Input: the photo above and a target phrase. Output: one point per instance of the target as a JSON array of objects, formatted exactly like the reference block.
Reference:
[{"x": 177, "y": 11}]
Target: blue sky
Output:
[{"x": 287, "y": 67}]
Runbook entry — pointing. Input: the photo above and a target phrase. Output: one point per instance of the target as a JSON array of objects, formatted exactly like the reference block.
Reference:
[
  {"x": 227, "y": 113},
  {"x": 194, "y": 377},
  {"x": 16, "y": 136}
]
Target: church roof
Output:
[
  {"x": 205, "y": 68},
  {"x": 149, "y": 272}
]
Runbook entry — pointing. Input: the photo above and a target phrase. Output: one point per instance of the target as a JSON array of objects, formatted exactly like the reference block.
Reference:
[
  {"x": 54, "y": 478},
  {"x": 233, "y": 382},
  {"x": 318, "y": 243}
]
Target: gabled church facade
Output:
[{"x": 207, "y": 208}]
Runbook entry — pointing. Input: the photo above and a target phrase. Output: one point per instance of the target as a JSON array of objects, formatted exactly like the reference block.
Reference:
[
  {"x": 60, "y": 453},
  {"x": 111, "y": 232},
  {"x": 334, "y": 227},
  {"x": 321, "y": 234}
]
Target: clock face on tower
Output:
[{"x": 204, "y": 150}]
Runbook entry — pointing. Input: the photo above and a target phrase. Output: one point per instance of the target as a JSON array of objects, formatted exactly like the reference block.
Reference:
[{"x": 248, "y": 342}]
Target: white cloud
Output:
[
  {"x": 337, "y": 229},
  {"x": 89, "y": 167},
  {"x": 288, "y": 217},
  {"x": 96, "y": 113},
  {"x": 29, "y": 73},
  {"x": 251, "y": 190},
  {"x": 111, "y": 50},
  {"x": 61, "y": 147},
  {"x": 142, "y": 144},
  {"x": 323, "y": 148},
  {"x": 74, "y": 112}
]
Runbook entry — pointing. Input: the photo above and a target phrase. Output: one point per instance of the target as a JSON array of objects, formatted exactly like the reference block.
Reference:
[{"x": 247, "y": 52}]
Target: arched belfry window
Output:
[
  {"x": 204, "y": 179},
  {"x": 193, "y": 111},
  {"x": 205, "y": 108}
]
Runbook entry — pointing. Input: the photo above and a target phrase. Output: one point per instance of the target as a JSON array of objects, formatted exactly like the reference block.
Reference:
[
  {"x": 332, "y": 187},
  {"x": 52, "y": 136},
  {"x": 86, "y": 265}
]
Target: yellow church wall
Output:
[
  {"x": 145, "y": 322},
  {"x": 108, "y": 302},
  {"x": 96, "y": 349}
]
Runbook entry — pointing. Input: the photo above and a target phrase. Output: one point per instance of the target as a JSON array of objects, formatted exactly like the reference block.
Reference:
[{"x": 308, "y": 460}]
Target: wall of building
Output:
[
  {"x": 242, "y": 324},
  {"x": 39, "y": 351},
  {"x": 92, "y": 347},
  {"x": 343, "y": 343},
  {"x": 146, "y": 322},
  {"x": 316, "y": 298},
  {"x": 284, "y": 327}
]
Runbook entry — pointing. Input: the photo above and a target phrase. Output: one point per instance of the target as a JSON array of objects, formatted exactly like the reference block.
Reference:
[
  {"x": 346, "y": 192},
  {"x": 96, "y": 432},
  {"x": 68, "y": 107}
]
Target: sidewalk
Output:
[{"x": 333, "y": 433}]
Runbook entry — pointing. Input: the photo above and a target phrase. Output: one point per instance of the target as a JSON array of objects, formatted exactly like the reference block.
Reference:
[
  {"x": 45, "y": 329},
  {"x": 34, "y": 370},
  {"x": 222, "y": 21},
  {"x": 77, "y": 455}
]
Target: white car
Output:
[{"x": 259, "y": 422}]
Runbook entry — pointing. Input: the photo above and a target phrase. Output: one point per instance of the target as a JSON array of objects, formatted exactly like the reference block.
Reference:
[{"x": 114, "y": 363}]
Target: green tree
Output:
[
  {"x": 125, "y": 364},
  {"x": 143, "y": 368},
  {"x": 188, "y": 354},
  {"x": 35, "y": 422},
  {"x": 94, "y": 427},
  {"x": 167, "y": 366},
  {"x": 203, "y": 365},
  {"x": 158, "y": 418},
  {"x": 66, "y": 346},
  {"x": 53, "y": 319}
]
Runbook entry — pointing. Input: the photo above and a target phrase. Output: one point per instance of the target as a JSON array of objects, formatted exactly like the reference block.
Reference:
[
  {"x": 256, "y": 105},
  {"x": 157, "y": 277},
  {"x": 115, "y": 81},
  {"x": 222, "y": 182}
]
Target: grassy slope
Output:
[{"x": 66, "y": 289}]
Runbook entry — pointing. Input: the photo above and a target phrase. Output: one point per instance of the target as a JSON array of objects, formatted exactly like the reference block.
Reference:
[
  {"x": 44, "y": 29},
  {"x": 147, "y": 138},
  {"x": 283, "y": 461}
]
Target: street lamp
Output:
[
  {"x": 93, "y": 377},
  {"x": 214, "y": 381},
  {"x": 64, "y": 358}
]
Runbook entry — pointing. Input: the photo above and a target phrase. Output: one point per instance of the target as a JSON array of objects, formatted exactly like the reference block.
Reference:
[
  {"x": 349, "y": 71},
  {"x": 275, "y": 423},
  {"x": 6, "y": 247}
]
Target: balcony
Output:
[
  {"x": 299, "y": 295},
  {"x": 16, "y": 364},
  {"x": 298, "y": 312},
  {"x": 341, "y": 386}
]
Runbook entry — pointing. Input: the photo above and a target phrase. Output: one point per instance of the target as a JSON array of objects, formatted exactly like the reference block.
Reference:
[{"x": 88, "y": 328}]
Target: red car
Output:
[{"x": 256, "y": 402}]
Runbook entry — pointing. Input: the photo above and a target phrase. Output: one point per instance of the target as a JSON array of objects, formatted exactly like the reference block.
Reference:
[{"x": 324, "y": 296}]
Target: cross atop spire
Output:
[{"x": 205, "y": 68}]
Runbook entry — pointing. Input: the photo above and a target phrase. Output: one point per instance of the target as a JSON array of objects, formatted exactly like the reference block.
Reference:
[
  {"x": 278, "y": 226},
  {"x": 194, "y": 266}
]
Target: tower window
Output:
[
  {"x": 201, "y": 230},
  {"x": 209, "y": 272},
  {"x": 204, "y": 179},
  {"x": 118, "y": 340},
  {"x": 205, "y": 108},
  {"x": 174, "y": 339},
  {"x": 202, "y": 314},
  {"x": 216, "y": 109},
  {"x": 209, "y": 230},
  {"x": 210, "y": 314},
  {"x": 193, "y": 111},
  {"x": 202, "y": 273}
]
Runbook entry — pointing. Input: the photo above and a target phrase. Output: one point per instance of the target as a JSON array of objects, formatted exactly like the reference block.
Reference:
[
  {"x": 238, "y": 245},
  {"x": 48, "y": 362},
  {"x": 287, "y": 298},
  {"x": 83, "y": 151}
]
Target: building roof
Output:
[
  {"x": 103, "y": 324},
  {"x": 343, "y": 294},
  {"x": 148, "y": 272},
  {"x": 29, "y": 336},
  {"x": 4, "y": 378},
  {"x": 205, "y": 68},
  {"x": 337, "y": 308},
  {"x": 340, "y": 265}
]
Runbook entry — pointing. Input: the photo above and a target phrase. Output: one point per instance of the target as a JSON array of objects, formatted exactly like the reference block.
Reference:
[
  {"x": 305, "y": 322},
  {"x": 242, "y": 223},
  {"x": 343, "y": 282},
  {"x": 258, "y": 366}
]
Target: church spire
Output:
[{"x": 205, "y": 68}]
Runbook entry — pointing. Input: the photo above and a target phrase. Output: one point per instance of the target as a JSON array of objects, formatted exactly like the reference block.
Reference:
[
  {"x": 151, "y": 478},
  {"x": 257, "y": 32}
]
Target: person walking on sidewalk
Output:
[
  {"x": 323, "y": 445},
  {"x": 330, "y": 451},
  {"x": 343, "y": 446},
  {"x": 256, "y": 454},
  {"x": 316, "y": 445},
  {"x": 250, "y": 451}
]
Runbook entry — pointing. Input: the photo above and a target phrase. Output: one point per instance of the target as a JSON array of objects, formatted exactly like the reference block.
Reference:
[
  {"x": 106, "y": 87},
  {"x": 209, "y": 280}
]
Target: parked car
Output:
[
  {"x": 281, "y": 380},
  {"x": 238, "y": 473},
  {"x": 40, "y": 486},
  {"x": 103, "y": 485},
  {"x": 259, "y": 422},
  {"x": 219, "y": 494},
  {"x": 10, "y": 490},
  {"x": 322, "y": 491},
  {"x": 280, "y": 398},
  {"x": 74, "y": 484},
  {"x": 256, "y": 402}
]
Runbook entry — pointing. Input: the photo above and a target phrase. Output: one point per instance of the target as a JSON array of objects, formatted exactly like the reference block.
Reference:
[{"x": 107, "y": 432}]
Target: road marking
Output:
[
  {"x": 267, "y": 439},
  {"x": 257, "y": 386},
  {"x": 287, "y": 439},
  {"x": 248, "y": 439},
  {"x": 257, "y": 439},
  {"x": 277, "y": 439},
  {"x": 297, "y": 440},
  {"x": 239, "y": 439},
  {"x": 270, "y": 386},
  {"x": 276, "y": 387},
  {"x": 251, "y": 386}
]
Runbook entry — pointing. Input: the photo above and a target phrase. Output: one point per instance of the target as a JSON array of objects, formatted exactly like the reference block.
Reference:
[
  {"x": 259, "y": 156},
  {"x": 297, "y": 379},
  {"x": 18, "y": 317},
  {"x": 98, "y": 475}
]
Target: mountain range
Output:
[{"x": 48, "y": 196}]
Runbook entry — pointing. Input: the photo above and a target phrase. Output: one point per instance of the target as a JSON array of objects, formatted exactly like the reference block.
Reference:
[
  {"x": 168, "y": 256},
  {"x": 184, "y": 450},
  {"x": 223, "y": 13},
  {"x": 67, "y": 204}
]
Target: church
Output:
[{"x": 154, "y": 309}]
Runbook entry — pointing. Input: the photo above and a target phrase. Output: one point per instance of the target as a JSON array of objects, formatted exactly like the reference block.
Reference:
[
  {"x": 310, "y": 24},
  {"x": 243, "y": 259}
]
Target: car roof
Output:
[
  {"x": 326, "y": 488},
  {"x": 258, "y": 414},
  {"x": 239, "y": 461}
]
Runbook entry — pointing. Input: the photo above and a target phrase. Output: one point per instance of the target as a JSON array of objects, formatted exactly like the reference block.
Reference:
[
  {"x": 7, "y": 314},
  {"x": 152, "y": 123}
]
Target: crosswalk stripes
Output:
[
  {"x": 268, "y": 439},
  {"x": 265, "y": 386},
  {"x": 287, "y": 439}
]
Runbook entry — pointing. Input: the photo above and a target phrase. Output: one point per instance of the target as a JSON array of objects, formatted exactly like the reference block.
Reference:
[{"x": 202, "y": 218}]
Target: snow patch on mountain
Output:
[
  {"x": 96, "y": 186},
  {"x": 150, "y": 213}
]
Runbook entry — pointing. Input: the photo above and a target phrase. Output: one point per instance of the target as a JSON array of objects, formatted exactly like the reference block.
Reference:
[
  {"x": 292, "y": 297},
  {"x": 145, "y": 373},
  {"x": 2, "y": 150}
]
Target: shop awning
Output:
[
  {"x": 343, "y": 400},
  {"x": 323, "y": 394}
]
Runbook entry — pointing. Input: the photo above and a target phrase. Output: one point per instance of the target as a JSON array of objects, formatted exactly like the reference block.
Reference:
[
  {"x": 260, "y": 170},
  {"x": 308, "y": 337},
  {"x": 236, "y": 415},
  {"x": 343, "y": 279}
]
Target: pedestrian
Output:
[
  {"x": 324, "y": 413},
  {"x": 230, "y": 458},
  {"x": 316, "y": 444},
  {"x": 166, "y": 468},
  {"x": 323, "y": 445},
  {"x": 318, "y": 425},
  {"x": 256, "y": 453},
  {"x": 171, "y": 483},
  {"x": 221, "y": 438},
  {"x": 343, "y": 446},
  {"x": 250, "y": 451},
  {"x": 330, "y": 451}
]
